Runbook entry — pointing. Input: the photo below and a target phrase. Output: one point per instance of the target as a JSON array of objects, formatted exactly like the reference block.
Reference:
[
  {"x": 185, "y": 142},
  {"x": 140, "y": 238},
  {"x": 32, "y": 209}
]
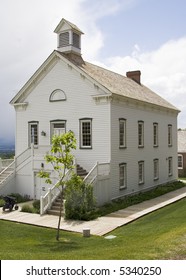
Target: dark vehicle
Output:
[{"x": 10, "y": 202}]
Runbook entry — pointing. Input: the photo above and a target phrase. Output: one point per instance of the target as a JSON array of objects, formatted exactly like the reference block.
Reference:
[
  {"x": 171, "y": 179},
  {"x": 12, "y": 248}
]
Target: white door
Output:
[{"x": 41, "y": 187}]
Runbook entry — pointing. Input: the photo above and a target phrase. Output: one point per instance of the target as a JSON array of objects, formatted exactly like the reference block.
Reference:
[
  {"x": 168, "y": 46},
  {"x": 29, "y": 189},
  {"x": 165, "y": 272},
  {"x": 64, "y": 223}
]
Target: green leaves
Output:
[
  {"x": 80, "y": 201},
  {"x": 60, "y": 156},
  {"x": 61, "y": 159}
]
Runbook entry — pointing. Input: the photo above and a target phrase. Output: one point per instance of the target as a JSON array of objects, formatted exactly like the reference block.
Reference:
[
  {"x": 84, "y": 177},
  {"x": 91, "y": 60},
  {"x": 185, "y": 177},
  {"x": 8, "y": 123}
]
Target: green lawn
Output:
[{"x": 159, "y": 235}]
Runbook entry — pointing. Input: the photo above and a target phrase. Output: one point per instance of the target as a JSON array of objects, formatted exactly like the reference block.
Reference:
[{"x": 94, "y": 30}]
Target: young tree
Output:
[{"x": 61, "y": 159}]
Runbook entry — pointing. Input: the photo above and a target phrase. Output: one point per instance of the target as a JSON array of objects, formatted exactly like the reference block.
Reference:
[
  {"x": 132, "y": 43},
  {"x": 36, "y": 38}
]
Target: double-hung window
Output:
[
  {"x": 156, "y": 169},
  {"x": 33, "y": 133},
  {"x": 140, "y": 134},
  {"x": 170, "y": 167},
  {"x": 155, "y": 134},
  {"x": 122, "y": 175},
  {"x": 86, "y": 133},
  {"x": 180, "y": 161},
  {"x": 122, "y": 133},
  {"x": 169, "y": 135},
  {"x": 141, "y": 172}
]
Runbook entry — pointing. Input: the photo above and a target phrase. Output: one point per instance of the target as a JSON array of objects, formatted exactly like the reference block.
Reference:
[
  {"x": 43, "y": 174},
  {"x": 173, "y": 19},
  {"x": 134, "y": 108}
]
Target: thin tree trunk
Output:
[{"x": 60, "y": 215}]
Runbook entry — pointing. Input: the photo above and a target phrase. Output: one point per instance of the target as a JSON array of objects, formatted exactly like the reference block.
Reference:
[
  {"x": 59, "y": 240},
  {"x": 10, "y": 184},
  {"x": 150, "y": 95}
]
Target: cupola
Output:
[{"x": 68, "y": 37}]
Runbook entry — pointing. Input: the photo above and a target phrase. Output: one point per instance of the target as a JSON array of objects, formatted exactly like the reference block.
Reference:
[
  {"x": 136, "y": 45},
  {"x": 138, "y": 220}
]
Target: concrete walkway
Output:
[{"x": 102, "y": 225}]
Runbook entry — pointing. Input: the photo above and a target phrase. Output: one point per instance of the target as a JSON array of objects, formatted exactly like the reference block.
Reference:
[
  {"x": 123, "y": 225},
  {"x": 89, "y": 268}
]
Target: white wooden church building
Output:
[{"x": 126, "y": 134}]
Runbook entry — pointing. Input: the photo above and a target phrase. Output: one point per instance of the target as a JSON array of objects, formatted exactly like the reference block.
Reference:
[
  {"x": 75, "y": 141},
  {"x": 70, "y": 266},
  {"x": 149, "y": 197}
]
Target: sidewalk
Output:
[{"x": 102, "y": 225}]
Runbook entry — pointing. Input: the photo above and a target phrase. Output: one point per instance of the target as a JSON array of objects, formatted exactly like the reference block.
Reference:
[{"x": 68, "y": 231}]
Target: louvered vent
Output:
[
  {"x": 76, "y": 40},
  {"x": 64, "y": 39}
]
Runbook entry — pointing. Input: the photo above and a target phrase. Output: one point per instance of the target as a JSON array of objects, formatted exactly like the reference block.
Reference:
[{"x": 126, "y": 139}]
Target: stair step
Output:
[
  {"x": 56, "y": 204},
  {"x": 54, "y": 212},
  {"x": 55, "y": 208},
  {"x": 81, "y": 171}
]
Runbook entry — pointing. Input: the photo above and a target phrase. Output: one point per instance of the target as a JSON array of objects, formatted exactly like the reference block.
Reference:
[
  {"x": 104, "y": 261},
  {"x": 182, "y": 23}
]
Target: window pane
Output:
[
  {"x": 122, "y": 133},
  {"x": 156, "y": 169},
  {"x": 170, "y": 135},
  {"x": 34, "y": 134},
  {"x": 122, "y": 175},
  {"x": 58, "y": 128},
  {"x": 86, "y": 134},
  {"x": 180, "y": 161},
  {"x": 170, "y": 166},
  {"x": 155, "y": 134},
  {"x": 141, "y": 172},
  {"x": 140, "y": 134}
]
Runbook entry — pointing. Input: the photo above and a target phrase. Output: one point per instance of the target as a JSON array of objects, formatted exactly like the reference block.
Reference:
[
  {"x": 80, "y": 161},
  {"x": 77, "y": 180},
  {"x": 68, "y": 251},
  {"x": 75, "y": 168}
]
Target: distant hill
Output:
[{"x": 7, "y": 143}]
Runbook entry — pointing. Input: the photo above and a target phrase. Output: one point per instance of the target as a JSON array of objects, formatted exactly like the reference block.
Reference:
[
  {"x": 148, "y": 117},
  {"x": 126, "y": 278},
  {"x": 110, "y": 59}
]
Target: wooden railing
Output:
[
  {"x": 11, "y": 169},
  {"x": 21, "y": 158},
  {"x": 99, "y": 169},
  {"x": 47, "y": 200}
]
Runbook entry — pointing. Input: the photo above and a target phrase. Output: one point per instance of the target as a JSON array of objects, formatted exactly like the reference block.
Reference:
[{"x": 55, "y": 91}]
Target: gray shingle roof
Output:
[
  {"x": 181, "y": 141},
  {"x": 72, "y": 25},
  {"x": 119, "y": 84},
  {"x": 124, "y": 86}
]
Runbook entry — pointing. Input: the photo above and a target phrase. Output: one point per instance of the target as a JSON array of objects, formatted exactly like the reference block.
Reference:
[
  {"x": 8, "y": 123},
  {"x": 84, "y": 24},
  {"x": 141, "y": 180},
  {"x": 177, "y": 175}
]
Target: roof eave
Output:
[
  {"x": 33, "y": 78},
  {"x": 71, "y": 25},
  {"x": 175, "y": 110}
]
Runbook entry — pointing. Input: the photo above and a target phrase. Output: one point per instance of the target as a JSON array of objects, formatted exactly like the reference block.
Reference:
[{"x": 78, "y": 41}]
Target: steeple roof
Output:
[{"x": 64, "y": 22}]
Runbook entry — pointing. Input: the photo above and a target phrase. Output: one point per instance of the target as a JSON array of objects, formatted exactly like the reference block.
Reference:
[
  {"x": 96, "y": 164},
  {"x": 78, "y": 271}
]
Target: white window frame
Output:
[
  {"x": 140, "y": 134},
  {"x": 141, "y": 172},
  {"x": 84, "y": 135},
  {"x": 156, "y": 169},
  {"x": 170, "y": 135},
  {"x": 170, "y": 166},
  {"x": 33, "y": 135},
  {"x": 180, "y": 166},
  {"x": 122, "y": 176},
  {"x": 122, "y": 133},
  {"x": 155, "y": 134}
]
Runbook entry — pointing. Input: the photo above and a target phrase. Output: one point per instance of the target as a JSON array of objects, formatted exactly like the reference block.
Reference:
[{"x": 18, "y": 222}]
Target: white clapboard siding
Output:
[
  {"x": 131, "y": 155},
  {"x": 78, "y": 104}
]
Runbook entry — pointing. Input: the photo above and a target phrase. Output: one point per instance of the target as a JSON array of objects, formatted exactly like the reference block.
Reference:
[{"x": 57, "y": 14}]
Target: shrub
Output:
[
  {"x": 19, "y": 198},
  {"x": 36, "y": 205},
  {"x": 80, "y": 201},
  {"x": 138, "y": 198},
  {"x": 2, "y": 202},
  {"x": 27, "y": 208},
  {"x": 35, "y": 208}
]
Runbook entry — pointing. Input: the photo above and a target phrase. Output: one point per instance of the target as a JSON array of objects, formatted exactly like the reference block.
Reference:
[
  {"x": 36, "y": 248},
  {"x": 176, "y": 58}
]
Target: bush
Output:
[
  {"x": 80, "y": 201},
  {"x": 19, "y": 198},
  {"x": 35, "y": 208},
  {"x": 36, "y": 205},
  {"x": 2, "y": 202},
  {"x": 138, "y": 198},
  {"x": 27, "y": 208}
]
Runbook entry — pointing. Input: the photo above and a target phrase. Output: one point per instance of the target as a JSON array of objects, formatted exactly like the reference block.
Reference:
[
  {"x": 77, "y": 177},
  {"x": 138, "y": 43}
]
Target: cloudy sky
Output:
[{"x": 122, "y": 35}]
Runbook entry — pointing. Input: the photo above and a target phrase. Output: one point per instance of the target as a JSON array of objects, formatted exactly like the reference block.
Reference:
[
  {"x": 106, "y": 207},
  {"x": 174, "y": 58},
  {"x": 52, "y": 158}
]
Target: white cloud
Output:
[
  {"x": 163, "y": 70},
  {"x": 27, "y": 39}
]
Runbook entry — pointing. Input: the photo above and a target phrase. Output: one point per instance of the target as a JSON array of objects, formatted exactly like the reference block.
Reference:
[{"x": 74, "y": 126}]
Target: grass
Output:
[{"x": 159, "y": 235}]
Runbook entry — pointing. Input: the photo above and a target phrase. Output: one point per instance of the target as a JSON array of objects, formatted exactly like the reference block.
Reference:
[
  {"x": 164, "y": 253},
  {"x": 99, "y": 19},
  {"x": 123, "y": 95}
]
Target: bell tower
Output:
[{"x": 68, "y": 37}]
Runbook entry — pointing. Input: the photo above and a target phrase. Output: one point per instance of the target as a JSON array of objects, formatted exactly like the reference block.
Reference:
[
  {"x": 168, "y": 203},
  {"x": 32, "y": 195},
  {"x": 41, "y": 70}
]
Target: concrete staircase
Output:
[
  {"x": 81, "y": 171},
  {"x": 55, "y": 208},
  {"x": 56, "y": 205}
]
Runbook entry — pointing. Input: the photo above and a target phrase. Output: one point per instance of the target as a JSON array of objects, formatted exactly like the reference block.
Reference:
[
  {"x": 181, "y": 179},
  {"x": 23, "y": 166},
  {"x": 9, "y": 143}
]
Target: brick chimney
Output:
[{"x": 134, "y": 75}]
